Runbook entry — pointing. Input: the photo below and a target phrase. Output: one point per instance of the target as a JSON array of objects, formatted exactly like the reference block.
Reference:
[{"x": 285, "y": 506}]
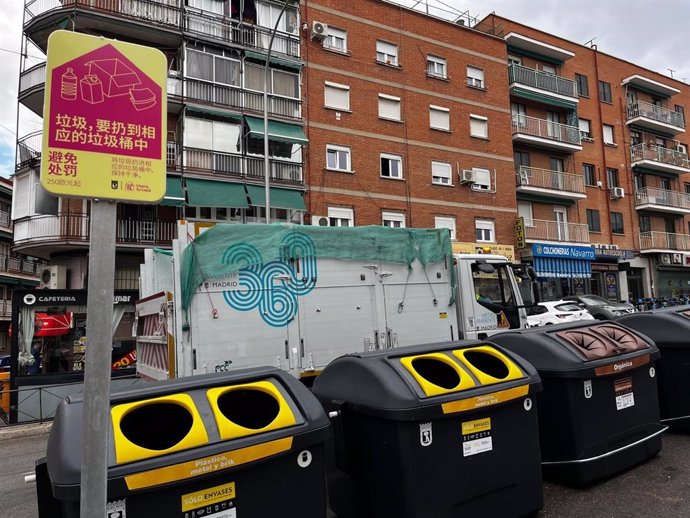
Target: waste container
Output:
[
  {"x": 669, "y": 328},
  {"x": 440, "y": 430},
  {"x": 249, "y": 443},
  {"x": 599, "y": 411}
]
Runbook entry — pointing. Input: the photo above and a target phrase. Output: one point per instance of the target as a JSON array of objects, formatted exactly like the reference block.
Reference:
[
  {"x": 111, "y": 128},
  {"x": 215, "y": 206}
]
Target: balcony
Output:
[
  {"x": 663, "y": 242},
  {"x": 550, "y": 183},
  {"x": 659, "y": 158},
  {"x": 157, "y": 22},
  {"x": 556, "y": 232},
  {"x": 43, "y": 235},
  {"x": 545, "y": 134},
  {"x": 661, "y": 200},
  {"x": 21, "y": 266},
  {"x": 29, "y": 151},
  {"x": 539, "y": 86},
  {"x": 650, "y": 116},
  {"x": 32, "y": 84}
]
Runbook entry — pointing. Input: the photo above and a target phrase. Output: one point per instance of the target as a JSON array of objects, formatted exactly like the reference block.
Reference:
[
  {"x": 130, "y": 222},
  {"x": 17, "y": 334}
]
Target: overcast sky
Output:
[{"x": 652, "y": 33}]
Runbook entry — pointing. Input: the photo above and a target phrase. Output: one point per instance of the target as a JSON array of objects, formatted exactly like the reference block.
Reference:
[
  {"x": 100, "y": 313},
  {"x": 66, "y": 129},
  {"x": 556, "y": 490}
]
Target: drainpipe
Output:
[{"x": 603, "y": 146}]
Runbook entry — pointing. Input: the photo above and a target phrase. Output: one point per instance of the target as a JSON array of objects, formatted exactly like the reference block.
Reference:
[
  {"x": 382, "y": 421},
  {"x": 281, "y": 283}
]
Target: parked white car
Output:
[{"x": 556, "y": 312}]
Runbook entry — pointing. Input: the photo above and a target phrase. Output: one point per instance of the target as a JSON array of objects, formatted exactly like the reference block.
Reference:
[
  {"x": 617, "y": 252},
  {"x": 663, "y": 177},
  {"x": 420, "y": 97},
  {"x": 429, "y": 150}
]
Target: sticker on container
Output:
[
  {"x": 624, "y": 393},
  {"x": 476, "y": 437},
  {"x": 213, "y": 502},
  {"x": 304, "y": 459},
  {"x": 443, "y": 315},
  {"x": 588, "y": 388},
  {"x": 425, "y": 434},
  {"x": 116, "y": 509}
]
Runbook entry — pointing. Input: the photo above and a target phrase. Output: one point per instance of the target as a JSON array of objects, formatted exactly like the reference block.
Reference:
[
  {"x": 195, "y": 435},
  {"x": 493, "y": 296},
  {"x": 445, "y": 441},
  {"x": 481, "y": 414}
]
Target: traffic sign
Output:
[{"x": 104, "y": 124}]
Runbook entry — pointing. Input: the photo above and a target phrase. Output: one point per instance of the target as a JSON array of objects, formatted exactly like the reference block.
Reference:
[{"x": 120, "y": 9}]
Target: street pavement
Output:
[{"x": 659, "y": 488}]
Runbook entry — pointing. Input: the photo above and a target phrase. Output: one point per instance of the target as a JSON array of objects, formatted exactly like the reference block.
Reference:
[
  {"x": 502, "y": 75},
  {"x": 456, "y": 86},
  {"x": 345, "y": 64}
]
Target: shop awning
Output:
[
  {"x": 565, "y": 268},
  {"x": 174, "y": 195},
  {"x": 207, "y": 193},
  {"x": 280, "y": 198},
  {"x": 274, "y": 59},
  {"x": 280, "y": 131}
]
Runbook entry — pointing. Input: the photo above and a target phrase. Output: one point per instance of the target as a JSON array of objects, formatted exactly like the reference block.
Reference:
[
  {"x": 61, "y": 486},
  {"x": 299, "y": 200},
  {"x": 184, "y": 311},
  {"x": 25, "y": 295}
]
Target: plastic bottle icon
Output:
[{"x": 68, "y": 86}]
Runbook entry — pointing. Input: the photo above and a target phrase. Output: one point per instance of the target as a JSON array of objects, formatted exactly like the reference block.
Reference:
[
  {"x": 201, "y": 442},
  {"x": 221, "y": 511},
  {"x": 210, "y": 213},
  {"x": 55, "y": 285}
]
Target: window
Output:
[
  {"x": 682, "y": 148},
  {"x": 525, "y": 212},
  {"x": 582, "y": 85},
  {"x": 635, "y": 138},
  {"x": 218, "y": 69},
  {"x": 479, "y": 126},
  {"x": 640, "y": 181},
  {"x": 441, "y": 173},
  {"x": 389, "y": 107},
  {"x": 593, "y": 220},
  {"x": 391, "y": 166},
  {"x": 514, "y": 60},
  {"x": 608, "y": 134},
  {"x": 475, "y": 77},
  {"x": 589, "y": 174},
  {"x": 436, "y": 67},
  {"x": 482, "y": 179},
  {"x": 386, "y": 53},
  {"x": 612, "y": 177},
  {"x": 336, "y": 40},
  {"x": 645, "y": 224},
  {"x": 518, "y": 112},
  {"x": 339, "y": 217},
  {"x": 337, "y": 96},
  {"x": 268, "y": 16},
  {"x": 338, "y": 158},
  {"x": 617, "y": 223},
  {"x": 393, "y": 219},
  {"x": 439, "y": 117},
  {"x": 484, "y": 229},
  {"x": 680, "y": 110},
  {"x": 206, "y": 134},
  {"x": 686, "y": 187},
  {"x": 445, "y": 222},
  {"x": 604, "y": 92},
  {"x": 585, "y": 128}
]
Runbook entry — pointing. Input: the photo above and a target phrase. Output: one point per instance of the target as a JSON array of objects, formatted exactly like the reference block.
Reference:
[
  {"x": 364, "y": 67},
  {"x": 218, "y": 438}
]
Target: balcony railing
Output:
[
  {"x": 21, "y": 265},
  {"x": 163, "y": 12},
  {"x": 537, "y": 79},
  {"x": 672, "y": 199},
  {"x": 281, "y": 170},
  {"x": 75, "y": 228},
  {"x": 656, "y": 113},
  {"x": 548, "y": 179},
  {"x": 5, "y": 221},
  {"x": 522, "y": 124},
  {"x": 29, "y": 149},
  {"x": 34, "y": 76},
  {"x": 543, "y": 230},
  {"x": 241, "y": 166},
  {"x": 659, "y": 154},
  {"x": 664, "y": 241}
]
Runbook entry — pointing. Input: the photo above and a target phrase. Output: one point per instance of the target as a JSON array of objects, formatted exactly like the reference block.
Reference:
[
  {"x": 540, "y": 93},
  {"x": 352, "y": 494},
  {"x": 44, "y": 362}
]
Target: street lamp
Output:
[{"x": 267, "y": 183}]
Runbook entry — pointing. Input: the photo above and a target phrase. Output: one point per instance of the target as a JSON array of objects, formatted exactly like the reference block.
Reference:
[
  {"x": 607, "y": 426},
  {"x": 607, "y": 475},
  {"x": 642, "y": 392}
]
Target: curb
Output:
[{"x": 25, "y": 430}]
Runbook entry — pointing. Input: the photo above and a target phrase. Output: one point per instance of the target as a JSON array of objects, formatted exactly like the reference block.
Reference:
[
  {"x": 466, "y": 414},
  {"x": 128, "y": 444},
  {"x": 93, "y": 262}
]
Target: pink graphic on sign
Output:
[{"x": 102, "y": 102}]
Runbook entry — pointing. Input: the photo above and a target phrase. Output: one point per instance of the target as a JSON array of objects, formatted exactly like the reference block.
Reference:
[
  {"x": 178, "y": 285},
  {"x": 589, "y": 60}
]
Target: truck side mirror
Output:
[{"x": 486, "y": 267}]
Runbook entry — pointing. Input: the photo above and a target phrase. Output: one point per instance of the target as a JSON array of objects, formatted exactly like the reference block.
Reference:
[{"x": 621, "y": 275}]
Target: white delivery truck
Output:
[{"x": 297, "y": 297}]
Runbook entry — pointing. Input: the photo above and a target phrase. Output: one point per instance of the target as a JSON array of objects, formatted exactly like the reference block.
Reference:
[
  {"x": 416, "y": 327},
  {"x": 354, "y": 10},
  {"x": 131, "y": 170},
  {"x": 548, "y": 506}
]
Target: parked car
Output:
[
  {"x": 600, "y": 308},
  {"x": 556, "y": 312},
  {"x": 5, "y": 363}
]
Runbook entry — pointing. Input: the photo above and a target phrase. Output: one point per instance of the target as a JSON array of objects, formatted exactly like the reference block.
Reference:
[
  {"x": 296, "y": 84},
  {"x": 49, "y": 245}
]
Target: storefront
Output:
[
  {"x": 673, "y": 275},
  {"x": 609, "y": 279}
]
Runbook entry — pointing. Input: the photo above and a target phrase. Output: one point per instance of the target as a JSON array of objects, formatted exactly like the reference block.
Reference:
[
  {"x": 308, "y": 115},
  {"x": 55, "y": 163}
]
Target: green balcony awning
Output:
[
  {"x": 280, "y": 198},
  {"x": 215, "y": 112},
  {"x": 209, "y": 193},
  {"x": 15, "y": 281},
  {"x": 280, "y": 131},
  {"x": 542, "y": 98},
  {"x": 539, "y": 198},
  {"x": 274, "y": 59},
  {"x": 174, "y": 195}
]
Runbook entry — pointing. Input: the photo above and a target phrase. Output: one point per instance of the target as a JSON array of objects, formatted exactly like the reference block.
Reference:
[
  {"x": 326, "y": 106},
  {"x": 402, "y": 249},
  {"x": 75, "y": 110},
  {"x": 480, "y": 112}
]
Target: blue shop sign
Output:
[{"x": 586, "y": 253}]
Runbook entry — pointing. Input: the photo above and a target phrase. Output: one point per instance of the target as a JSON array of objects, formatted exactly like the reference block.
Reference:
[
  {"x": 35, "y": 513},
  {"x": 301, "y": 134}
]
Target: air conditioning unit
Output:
[
  {"x": 319, "y": 31},
  {"x": 617, "y": 192},
  {"x": 467, "y": 176},
  {"x": 320, "y": 221},
  {"x": 53, "y": 277},
  {"x": 677, "y": 258}
]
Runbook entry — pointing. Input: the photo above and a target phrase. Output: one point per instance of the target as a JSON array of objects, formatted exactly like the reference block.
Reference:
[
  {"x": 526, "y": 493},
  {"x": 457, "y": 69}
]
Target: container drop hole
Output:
[
  {"x": 157, "y": 426},
  {"x": 487, "y": 363},
  {"x": 249, "y": 408},
  {"x": 437, "y": 372}
]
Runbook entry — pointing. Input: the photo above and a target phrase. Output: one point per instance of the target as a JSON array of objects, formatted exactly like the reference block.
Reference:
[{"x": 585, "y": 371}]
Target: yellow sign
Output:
[
  {"x": 507, "y": 251},
  {"x": 480, "y": 425},
  {"x": 210, "y": 496},
  {"x": 104, "y": 125},
  {"x": 520, "y": 232}
]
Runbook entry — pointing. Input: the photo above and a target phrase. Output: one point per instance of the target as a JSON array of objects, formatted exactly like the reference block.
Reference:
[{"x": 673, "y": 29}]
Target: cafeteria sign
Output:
[{"x": 104, "y": 119}]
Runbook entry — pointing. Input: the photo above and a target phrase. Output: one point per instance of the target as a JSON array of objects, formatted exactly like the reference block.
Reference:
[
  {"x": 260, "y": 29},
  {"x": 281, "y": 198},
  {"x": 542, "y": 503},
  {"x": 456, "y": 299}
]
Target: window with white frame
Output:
[
  {"x": 445, "y": 222},
  {"x": 213, "y": 68},
  {"x": 608, "y": 134},
  {"x": 475, "y": 77},
  {"x": 389, "y": 107},
  {"x": 441, "y": 173},
  {"x": 482, "y": 179},
  {"x": 340, "y": 217},
  {"x": 386, "y": 53},
  {"x": 585, "y": 128},
  {"x": 479, "y": 126},
  {"x": 281, "y": 83},
  {"x": 514, "y": 60},
  {"x": 338, "y": 158},
  {"x": 337, "y": 96},
  {"x": 484, "y": 229},
  {"x": 393, "y": 219},
  {"x": 391, "y": 166},
  {"x": 525, "y": 212},
  {"x": 439, "y": 117},
  {"x": 335, "y": 40},
  {"x": 682, "y": 148},
  {"x": 436, "y": 67}
]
